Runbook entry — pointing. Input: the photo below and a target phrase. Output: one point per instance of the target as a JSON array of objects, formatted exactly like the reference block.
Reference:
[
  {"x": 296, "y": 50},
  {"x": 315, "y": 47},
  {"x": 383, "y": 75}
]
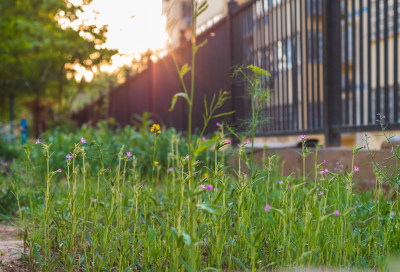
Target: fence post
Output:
[
  {"x": 332, "y": 72},
  {"x": 234, "y": 46}
]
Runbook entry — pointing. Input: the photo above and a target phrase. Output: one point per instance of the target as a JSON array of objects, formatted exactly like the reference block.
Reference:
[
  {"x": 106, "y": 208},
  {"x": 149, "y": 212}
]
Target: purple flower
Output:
[
  {"x": 302, "y": 136},
  {"x": 280, "y": 182},
  {"x": 59, "y": 170},
  {"x": 203, "y": 138},
  {"x": 356, "y": 169},
  {"x": 202, "y": 186},
  {"x": 170, "y": 169},
  {"x": 365, "y": 147},
  {"x": 187, "y": 157},
  {"x": 69, "y": 157},
  {"x": 267, "y": 207},
  {"x": 248, "y": 141},
  {"x": 83, "y": 141},
  {"x": 336, "y": 213},
  {"x": 321, "y": 193},
  {"x": 94, "y": 200},
  {"x": 209, "y": 187},
  {"x": 288, "y": 187},
  {"x": 324, "y": 161},
  {"x": 121, "y": 194},
  {"x": 217, "y": 124},
  {"x": 37, "y": 141},
  {"x": 306, "y": 182},
  {"x": 201, "y": 161},
  {"x": 143, "y": 185},
  {"x": 194, "y": 174},
  {"x": 128, "y": 154},
  {"x": 108, "y": 168},
  {"x": 326, "y": 170},
  {"x": 229, "y": 142}
]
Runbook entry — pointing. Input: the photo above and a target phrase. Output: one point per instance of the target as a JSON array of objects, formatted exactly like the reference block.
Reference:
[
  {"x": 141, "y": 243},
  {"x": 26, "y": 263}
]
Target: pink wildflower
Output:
[
  {"x": 217, "y": 124},
  {"x": 302, "y": 136},
  {"x": 324, "y": 161},
  {"x": 356, "y": 169},
  {"x": 202, "y": 186},
  {"x": 37, "y": 141},
  {"x": 194, "y": 174},
  {"x": 203, "y": 138},
  {"x": 170, "y": 169},
  {"x": 187, "y": 157},
  {"x": 69, "y": 157},
  {"x": 321, "y": 193},
  {"x": 267, "y": 207},
  {"x": 59, "y": 170},
  {"x": 280, "y": 182},
  {"x": 336, "y": 213},
  {"x": 83, "y": 141},
  {"x": 229, "y": 142},
  {"x": 128, "y": 154},
  {"x": 121, "y": 194},
  {"x": 209, "y": 187},
  {"x": 94, "y": 200},
  {"x": 248, "y": 141}
]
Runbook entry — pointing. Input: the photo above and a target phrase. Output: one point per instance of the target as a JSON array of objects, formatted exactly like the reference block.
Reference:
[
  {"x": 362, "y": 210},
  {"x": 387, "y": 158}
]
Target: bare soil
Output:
[{"x": 10, "y": 243}]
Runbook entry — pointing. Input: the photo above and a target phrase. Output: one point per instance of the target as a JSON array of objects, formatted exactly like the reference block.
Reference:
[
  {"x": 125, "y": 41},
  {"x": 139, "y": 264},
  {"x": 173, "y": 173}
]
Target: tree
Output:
[{"x": 37, "y": 52}]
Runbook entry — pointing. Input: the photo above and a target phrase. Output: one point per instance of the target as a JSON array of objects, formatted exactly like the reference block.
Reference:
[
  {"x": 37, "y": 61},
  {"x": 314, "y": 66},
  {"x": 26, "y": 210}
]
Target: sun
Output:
[{"x": 134, "y": 26}]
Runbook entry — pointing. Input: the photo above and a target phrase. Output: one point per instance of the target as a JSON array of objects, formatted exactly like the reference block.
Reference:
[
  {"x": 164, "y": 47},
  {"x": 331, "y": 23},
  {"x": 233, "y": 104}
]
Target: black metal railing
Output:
[{"x": 333, "y": 65}]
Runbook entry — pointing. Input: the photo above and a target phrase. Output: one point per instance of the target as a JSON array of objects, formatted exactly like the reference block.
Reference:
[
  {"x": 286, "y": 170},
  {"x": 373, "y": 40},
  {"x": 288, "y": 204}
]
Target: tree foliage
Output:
[{"x": 37, "y": 52}]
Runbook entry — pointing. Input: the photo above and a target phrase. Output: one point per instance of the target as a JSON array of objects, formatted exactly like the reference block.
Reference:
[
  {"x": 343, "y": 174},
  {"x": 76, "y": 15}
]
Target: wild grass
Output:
[{"x": 221, "y": 218}]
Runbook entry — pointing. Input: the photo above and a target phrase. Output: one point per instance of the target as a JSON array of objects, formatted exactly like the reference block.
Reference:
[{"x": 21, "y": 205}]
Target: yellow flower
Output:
[
  {"x": 155, "y": 129},
  {"x": 156, "y": 163},
  {"x": 151, "y": 190}
]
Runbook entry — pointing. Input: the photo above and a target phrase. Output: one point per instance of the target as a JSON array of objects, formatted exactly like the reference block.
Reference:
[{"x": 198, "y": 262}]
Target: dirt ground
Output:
[{"x": 11, "y": 242}]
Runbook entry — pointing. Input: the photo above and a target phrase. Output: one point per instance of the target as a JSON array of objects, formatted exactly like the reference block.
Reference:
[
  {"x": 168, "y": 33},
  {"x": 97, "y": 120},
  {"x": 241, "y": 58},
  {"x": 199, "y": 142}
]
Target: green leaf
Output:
[
  {"x": 184, "y": 70},
  {"x": 185, "y": 264},
  {"x": 224, "y": 114},
  {"x": 151, "y": 235},
  {"x": 240, "y": 263},
  {"x": 208, "y": 207},
  {"x": 197, "y": 47},
  {"x": 37, "y": 255},
  {"x": 175, "y": 98},
  {"x": 258, "y": 71}
]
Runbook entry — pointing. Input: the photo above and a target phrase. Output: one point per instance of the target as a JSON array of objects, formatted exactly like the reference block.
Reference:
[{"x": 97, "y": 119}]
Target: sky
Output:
[{"x": 133, "y": 26}]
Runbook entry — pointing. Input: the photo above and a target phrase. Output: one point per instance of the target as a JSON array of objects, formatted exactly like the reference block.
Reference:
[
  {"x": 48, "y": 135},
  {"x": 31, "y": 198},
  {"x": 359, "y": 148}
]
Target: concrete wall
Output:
[{"x": 291, "y": 162}]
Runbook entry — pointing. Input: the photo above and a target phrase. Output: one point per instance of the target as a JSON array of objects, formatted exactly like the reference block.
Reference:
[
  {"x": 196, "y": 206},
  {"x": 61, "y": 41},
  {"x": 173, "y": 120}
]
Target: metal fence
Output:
[{"x": 333, "y": 65}]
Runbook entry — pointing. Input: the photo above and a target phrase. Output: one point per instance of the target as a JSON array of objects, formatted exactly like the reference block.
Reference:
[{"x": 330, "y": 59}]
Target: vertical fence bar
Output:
[
  {"x": 288, "y": 106},
  {"x": 312, "y": 45},
  {"x": 282, "y": 90},
  {"x": 293, "y": 37},
  {"x": 346, "y": 72},
  {"x": 395, "y": 62},
  {"x": 319, "y": 106},
  {"x": 369, "y": 110},
  {"x": 279, "y": 124},
  {"x": 274, "y": 64},
  {"x": 386, "y": 59},
  {"x": 302, "y": 90},
  {"x": 332, "y": 68},
  {"x": 361, "y": 63},
  {"x": 378, "y": 71},
  {"x": 306, "y": 30},
  {"x": 354, "y": 62}
]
